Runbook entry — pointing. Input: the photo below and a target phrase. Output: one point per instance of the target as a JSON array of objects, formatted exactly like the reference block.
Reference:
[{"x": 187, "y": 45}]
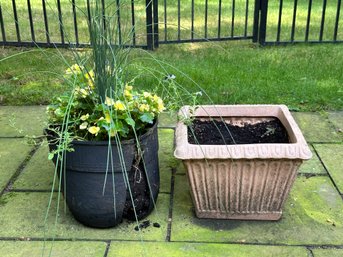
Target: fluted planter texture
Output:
[{"x": 241, "y": 181}]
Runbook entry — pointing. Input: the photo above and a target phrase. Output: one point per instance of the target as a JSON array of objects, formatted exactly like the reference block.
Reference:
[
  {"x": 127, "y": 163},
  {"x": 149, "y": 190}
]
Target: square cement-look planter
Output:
[{"x": 242, "y": 181}]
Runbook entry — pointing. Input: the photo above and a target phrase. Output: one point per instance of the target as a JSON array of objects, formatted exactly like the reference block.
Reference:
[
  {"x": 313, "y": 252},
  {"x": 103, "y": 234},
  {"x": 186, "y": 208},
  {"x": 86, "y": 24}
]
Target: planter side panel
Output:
[{"x": 241, "y": 189}]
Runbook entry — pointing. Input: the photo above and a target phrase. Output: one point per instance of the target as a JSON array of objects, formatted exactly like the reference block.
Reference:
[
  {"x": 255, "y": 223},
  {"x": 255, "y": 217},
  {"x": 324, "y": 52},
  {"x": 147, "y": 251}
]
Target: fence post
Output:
[
  {"x": 263, "y": 22},
  {"x": 256, "y": 20},
  {"x": 260, "y": 21},
  {"x": 149, "y": 25}
]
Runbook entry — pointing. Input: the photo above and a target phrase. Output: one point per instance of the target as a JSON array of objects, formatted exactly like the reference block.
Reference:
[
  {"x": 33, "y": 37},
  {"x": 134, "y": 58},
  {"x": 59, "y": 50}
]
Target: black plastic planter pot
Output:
[{"x": 86, "y": 177}]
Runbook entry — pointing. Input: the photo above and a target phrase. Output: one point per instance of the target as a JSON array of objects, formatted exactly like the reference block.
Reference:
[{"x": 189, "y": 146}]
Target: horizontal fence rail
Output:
[{"x": 148, "y": 23}]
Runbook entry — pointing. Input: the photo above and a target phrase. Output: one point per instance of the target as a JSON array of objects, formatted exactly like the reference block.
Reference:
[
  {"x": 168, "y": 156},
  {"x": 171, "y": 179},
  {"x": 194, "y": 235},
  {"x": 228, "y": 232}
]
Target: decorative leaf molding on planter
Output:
[{"x": 246, "y": 181}]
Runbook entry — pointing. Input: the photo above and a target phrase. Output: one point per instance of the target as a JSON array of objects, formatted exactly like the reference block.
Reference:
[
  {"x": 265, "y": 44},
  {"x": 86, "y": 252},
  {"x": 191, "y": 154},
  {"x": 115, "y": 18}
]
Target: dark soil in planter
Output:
[{"x": 213, "y": 132}]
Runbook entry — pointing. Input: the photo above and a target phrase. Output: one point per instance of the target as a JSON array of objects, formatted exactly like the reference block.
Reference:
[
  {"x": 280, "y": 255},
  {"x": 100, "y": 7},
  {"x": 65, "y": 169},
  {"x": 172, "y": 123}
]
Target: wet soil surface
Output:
[{"x": 220, "y": 133}]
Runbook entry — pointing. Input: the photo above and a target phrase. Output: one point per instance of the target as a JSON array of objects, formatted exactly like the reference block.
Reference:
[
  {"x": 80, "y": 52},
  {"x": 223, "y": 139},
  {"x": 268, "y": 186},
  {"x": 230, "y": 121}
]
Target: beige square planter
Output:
[{"x": 243, "y": 181}]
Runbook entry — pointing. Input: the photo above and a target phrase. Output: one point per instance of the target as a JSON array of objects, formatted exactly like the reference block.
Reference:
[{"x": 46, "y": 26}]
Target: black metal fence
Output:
[{"x": 148, "y": 23}]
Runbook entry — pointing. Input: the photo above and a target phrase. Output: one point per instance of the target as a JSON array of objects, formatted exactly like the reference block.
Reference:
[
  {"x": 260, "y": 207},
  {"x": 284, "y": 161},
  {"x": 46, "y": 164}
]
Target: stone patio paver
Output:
[
  {"x": 22, "y": 215},
  {"x": 316, "y": 127},
  {"x": 59, "y": 249},
  {"x": 336, "y": 118},
  {"x": 176, "y": 249},
  {"x": 332, "y": 157},
  {"x": 327, "y": 252},
  {"x": 38, "y": 173},
  {"x": 28, "y": 120},
  {"x": 309, "y": 213},
  {"x": 312, "y": 166},
  {"x": 12, "y": 153}
]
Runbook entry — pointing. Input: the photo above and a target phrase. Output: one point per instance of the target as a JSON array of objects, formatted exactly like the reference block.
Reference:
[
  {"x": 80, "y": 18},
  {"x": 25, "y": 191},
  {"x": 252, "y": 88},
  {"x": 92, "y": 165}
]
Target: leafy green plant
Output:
[{"x": 92, "y": 119}]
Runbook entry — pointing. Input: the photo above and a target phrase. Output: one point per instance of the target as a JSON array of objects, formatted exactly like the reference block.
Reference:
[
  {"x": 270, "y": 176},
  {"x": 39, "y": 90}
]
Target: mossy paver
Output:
[
  {"x": 312, "y": 166},
  {"x": 327, "y": 252},
  {"x": 12, "y": 153},
  {"x": 22, "y": 215},
  {"x": 336, "y": 118},
  {"x": 167, "y": 120},
  {"x": 58, "y": 249},
  {"x": 316, "y": 127},
  {"x": 332, "y": 157},
  {"x": 176, "y": 249},
  {"x": 166, "y": 158},
  {"x": 312, "y": 215},
  {"x": 38, "y": 173},
  {"x": 27, "y": 120}
]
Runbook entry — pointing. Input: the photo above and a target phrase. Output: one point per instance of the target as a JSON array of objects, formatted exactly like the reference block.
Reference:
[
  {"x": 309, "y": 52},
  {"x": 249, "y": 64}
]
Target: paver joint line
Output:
[
  {"x": 171, "y": 204},
  {"x": 326, "y": 169},
  {"x": 107, "y": 248},
  {"x": 20, "y": 168}
]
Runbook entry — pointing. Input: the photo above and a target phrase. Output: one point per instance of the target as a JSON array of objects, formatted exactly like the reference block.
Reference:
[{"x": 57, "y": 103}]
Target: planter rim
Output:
[{"x": 297, "y": 149}]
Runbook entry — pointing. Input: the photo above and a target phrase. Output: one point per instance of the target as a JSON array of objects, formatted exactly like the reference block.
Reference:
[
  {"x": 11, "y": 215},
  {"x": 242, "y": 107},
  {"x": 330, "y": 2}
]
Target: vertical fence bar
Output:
[
  {"x": 31, "y": 21},
  {"x": 219, "y": 16},
  {"x": 337, "y": 20},
  {"x": 294, "y": 19},
  {"x": 165, "y": 20},
  {"x": 133, "y": 22},
  {"x": 263, "y": 22},
  {"x": 255, "y": 31},
  {"x": 16, "y": 21},
  {"x": 308, "y": 22},
  {"x": 156, "y": 24},
  {"x": 46, "y": 24},
  {"x": 178, "y": 20},
  {"x": 279, "y": 22},
  {"x": 233, "y": 18},
  {"x": 3, "y": 33},
  {"x": 206, "y": 16},
  {"x": 76, "y": 31},
  {"x": 118, "y": 22},
  {"x": 246, "y": 18},
  {"x": 322, "y": 22},
  {"x": 192, "y": 22},
  {"x": 60, "y": 20},
  {"x": 149, "y": 31}
]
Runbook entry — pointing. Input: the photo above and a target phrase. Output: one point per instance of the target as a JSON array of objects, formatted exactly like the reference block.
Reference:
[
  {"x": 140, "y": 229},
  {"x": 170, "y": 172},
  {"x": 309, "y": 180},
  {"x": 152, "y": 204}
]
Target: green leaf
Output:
[
  {"x": 50, "y": 156},
  {"x": 130, "y": 121},
  {"x": 147, "y": 118}
]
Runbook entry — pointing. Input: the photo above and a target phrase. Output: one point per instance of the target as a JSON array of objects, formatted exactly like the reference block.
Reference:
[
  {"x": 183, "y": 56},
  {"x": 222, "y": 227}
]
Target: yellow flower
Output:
[
  {"x": 90, "y": 79},
  {"x": 144, "y": 107},
  {"x": 107, "y": 117},
  {"x": 84, "y": 92},
  {"x": 127, "y": 93},
  {"x": 118, "y": 105},
  {"x": 113, "y": 132},
  {"x": 146, "y": 94},
  {"x": 74, "y": 69},
  {"x": 127, "y": 87},
  {"x": 155, "y": 98},
  {"x": 109, "y": 101},
  {"x": 83, "y": 125},
  {"x": 94, "y": 130},
  {"x": 84, "y": 117},
  {"x": 160, "y": 105}
]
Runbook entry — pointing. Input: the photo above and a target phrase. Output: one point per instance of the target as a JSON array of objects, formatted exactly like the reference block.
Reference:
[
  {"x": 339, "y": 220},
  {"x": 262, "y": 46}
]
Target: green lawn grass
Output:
[{"x": 304, "y": 77}]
